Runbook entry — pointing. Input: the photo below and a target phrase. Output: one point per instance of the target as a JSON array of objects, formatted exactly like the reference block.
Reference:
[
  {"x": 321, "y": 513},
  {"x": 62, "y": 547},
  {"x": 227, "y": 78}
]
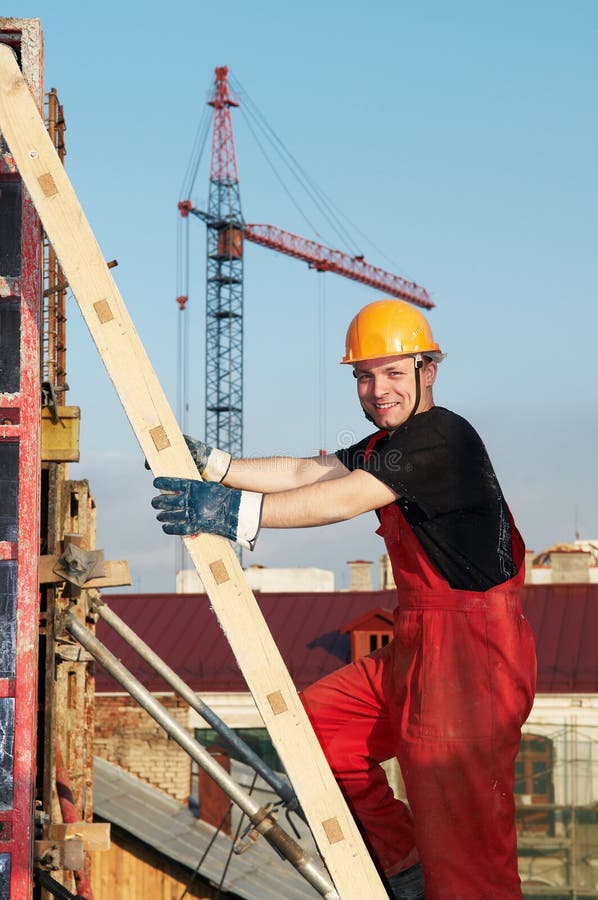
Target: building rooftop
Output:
[
  {"x": 307, "y": 627},
  {"x": 564, "y": 619},
  {"x": 184, "y": 631},
  {"x": 170, "y": 828}
]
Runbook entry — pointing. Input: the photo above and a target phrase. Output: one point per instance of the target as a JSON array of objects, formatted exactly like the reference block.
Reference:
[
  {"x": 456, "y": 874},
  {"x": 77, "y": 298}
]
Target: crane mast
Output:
[
  {"x": 226, "y": 233},
  {"x": 224, "y": 289}
]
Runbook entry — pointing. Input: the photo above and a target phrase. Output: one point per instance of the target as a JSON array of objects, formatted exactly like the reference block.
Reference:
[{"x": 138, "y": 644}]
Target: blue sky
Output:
[{"x": 461, "y": 139}]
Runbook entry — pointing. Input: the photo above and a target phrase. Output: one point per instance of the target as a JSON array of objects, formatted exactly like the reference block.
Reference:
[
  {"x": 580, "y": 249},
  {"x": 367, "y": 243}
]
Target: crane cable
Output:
[
  {"x": 322, "y": 393},
  {"x": 182, "y": 295},
  {"x": 324, "y": 205},
  {"x": 182, "y": 398},
  {"x": 279, "y": 178},
  {"x": 199, "y": 144},
  {"x": 182, "y": 268},
  {"x": 217, "y": 831},
  {"x": 323, "y": 202},
  {"x": 253, "y": 121}
]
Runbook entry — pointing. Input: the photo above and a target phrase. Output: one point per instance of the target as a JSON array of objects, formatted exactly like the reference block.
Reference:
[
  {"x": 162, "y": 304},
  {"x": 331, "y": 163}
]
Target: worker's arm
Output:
[
  {"x": 272, "y": 474},
  {"x": 334, "y": 500},
  {"x": 266, "y": 475},
  {"x": 190, "y": 507}
]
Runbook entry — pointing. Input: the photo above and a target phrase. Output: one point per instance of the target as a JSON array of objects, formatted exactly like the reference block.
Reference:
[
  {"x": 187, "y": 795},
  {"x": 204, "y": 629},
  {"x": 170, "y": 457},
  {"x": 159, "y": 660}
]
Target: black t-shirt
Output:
[{"x": 449, "y": 494}]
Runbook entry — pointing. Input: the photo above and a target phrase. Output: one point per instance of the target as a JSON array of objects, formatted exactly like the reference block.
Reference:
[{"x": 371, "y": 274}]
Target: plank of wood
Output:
[
  {"x": 116, "y": 573},
  {"x": 95, "y": 835},
  {"x": 63, "y": 854},
  {"x": 163, "y": 445}
]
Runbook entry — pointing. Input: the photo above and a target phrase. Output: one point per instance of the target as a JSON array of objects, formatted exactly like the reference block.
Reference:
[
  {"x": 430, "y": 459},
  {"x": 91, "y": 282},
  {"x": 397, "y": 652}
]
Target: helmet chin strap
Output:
[{"x": 417, "y": 366}]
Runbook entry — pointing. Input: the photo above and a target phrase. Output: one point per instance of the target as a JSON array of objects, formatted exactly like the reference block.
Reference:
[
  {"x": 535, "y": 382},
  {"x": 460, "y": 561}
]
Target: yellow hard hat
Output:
[{"x": 389, "y": 328}]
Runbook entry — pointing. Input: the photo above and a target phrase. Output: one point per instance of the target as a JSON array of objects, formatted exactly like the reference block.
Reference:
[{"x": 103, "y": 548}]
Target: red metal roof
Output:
[
  {"x": 185, "y": 632},
  {"x": 564, "y": 619}
]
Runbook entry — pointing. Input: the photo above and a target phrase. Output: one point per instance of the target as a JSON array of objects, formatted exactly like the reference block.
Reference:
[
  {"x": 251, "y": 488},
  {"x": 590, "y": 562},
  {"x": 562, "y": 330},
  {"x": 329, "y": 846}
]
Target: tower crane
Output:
[{"x": 226, "y": 233}]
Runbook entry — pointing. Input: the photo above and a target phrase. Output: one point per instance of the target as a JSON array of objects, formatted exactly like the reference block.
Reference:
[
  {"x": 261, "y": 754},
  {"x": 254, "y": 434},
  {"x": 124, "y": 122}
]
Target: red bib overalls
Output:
[{"x": 447, "y": 696}]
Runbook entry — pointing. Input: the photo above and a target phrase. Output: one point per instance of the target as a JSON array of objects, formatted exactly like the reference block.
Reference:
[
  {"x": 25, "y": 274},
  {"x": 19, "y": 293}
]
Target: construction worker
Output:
[{"x": 449, "y": 694}]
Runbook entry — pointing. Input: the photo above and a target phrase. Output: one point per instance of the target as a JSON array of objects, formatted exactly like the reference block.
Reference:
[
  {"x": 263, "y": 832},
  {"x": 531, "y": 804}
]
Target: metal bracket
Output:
[
  {"x": 77, "y": 566},
  {"x": 251, "y": 834}
]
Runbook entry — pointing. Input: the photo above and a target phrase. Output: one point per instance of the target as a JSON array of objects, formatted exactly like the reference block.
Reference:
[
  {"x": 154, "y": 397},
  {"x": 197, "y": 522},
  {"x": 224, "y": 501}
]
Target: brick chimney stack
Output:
[{"x": 361, "y": 575}]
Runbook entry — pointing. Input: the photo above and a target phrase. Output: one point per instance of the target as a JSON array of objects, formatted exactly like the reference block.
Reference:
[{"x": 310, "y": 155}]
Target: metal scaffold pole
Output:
[
  {"x": 243, "y": 751},
  {"x": 262, "y": 818}
]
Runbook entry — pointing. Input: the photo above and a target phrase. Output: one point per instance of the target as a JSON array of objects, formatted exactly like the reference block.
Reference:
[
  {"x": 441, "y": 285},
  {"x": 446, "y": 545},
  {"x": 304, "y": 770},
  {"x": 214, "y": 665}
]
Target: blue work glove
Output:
[
  {"x": 212, "y": 464},
  {"x": 192, "y": 506}
]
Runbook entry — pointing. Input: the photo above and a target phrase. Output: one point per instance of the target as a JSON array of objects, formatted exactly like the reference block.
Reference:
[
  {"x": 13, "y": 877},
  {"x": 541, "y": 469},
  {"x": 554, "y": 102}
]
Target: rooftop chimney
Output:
[
  {"x": 361, "y": 575},
  {"x": 570, "y": 567},
  {"x": 387, "y": 579},
  {"x": 214, "y": 804}
]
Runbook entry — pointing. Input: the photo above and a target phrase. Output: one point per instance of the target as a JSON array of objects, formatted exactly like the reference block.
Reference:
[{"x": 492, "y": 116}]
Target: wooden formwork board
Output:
[{"x": 153, "y": 422}]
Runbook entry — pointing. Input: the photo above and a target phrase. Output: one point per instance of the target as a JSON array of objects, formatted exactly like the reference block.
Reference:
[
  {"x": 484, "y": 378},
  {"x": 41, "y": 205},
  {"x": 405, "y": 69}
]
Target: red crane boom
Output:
[
  {"x": 324, "y": 259},
  {"x": 317, "y": 256}
]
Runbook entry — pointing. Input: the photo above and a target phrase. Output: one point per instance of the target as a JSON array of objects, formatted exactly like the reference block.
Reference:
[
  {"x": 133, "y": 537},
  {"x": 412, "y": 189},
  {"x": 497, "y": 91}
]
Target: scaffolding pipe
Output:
[
  {"x": 261, "y": 817},
  {"x": 243, "y": 752}
]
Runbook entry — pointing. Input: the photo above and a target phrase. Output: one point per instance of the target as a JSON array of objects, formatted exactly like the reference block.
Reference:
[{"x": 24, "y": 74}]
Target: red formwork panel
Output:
[{"x": 20, "y": 470}]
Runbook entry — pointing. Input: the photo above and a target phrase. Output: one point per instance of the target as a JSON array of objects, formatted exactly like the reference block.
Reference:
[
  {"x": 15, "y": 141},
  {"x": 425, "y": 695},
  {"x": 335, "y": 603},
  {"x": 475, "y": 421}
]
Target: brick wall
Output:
[{"x": 126, "y": 735}]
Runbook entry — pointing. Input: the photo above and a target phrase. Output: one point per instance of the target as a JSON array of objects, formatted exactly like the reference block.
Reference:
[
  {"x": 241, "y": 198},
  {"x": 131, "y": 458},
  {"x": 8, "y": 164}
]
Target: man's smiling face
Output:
[{"x": 386, "y": 388}]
